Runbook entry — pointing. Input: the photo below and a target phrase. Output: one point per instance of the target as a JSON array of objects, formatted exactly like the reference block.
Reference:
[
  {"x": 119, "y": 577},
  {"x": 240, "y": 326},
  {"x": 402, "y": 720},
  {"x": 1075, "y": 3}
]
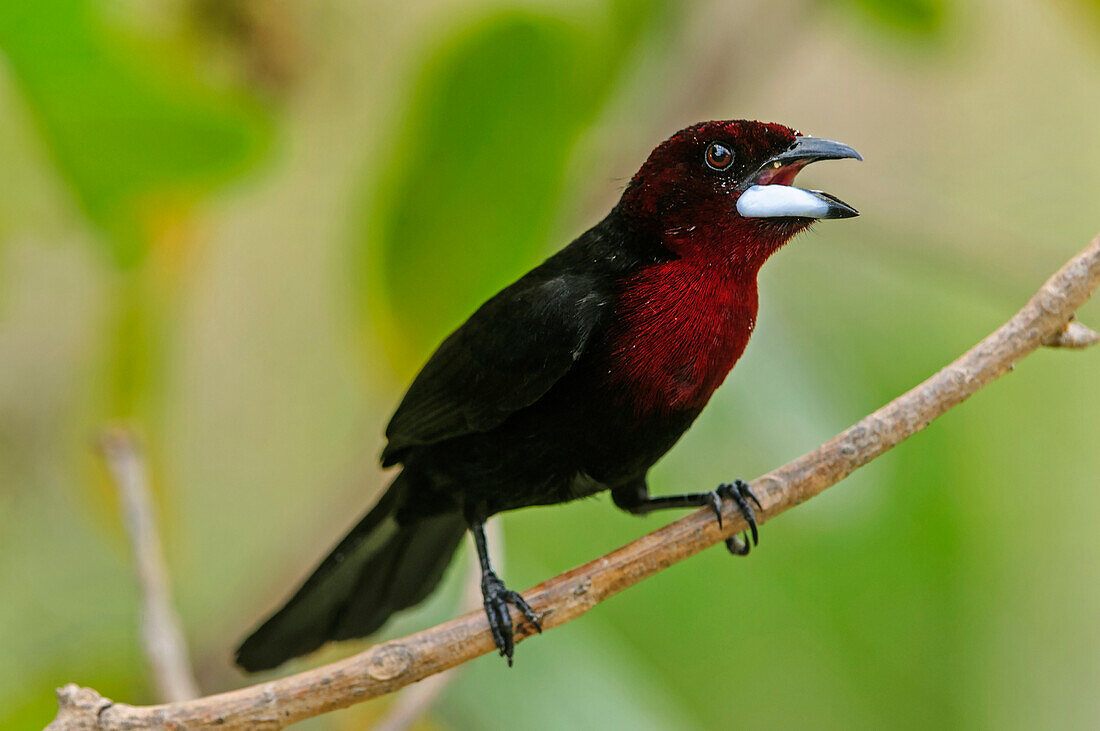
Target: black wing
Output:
[{"x": 505, "y": 357}]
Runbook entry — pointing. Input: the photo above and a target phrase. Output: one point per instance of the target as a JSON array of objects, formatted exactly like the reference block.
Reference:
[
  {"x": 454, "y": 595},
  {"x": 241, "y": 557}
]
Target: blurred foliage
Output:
[
  {"x": 922, "y": 17},
  {"x": 476, "y": 172},
  {"x": 140, "y": 137},
  {"x": 1092, "y": 9},
  {"x": 130, "y": 128},
  {"x": 427, "y": 153}
]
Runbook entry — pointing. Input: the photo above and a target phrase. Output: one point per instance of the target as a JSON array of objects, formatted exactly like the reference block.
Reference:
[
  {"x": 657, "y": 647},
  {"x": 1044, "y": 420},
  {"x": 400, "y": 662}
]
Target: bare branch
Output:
[
  {"x": 161, "y": 636},
  {"x": 1074, "y": 335},
  {"x": 386, "y": 667}
]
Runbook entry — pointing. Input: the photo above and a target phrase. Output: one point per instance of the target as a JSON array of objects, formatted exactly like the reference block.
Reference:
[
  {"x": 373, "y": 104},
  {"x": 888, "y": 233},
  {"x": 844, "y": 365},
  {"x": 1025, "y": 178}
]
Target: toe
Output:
[
  {"x": 746, "y": 491},
  {"x": 506, "y": 631},
  {"x": 714, "y": 502},
  {"x": 494, "y": 626},
  {"x": 515, "y": 598},
  {"x": 738, "y": 495},
  {"x": 738, "y": 546}
]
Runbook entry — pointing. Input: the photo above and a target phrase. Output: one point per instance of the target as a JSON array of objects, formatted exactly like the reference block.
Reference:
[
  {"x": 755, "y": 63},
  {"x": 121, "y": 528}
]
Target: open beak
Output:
[{"x": 768, "y": 192}]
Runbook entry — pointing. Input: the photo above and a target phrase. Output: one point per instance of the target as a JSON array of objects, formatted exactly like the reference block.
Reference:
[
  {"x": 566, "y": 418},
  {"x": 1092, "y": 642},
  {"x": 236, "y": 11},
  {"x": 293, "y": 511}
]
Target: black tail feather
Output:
[{"x": 379, "y": 568}]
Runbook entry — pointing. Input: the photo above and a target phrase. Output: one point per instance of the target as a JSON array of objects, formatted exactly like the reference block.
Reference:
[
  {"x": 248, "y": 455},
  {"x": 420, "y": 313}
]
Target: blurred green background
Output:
[{"x": 241, "y": 225}]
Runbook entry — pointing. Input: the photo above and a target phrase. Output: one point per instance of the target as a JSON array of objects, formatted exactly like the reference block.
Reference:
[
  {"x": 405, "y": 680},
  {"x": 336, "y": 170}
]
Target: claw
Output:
[
  {"x": 746, "y": 489},
  {"x": 494, "y": 627},
  {"x": 516, "y": 599},
  {"x": 496, "y": 600},
  {"x": 738, "y": 546},
  {"x": 740, "y": 493}
]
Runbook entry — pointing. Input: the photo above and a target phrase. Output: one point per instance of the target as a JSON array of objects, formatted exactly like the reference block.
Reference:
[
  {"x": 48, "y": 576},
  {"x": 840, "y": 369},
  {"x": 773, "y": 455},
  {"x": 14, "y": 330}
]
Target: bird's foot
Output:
[
  {"x": 740, "y": 493},
  {"x": 496, "y": 597}
]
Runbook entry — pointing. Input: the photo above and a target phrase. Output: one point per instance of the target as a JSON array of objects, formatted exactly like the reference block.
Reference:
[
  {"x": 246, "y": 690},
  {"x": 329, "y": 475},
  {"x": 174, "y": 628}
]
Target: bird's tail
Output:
[{"x": 379, "y": 568}]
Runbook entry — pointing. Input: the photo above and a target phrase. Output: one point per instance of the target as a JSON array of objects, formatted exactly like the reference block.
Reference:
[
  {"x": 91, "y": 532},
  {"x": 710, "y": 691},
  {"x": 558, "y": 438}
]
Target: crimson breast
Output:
[{"x": 681, "y": 327}]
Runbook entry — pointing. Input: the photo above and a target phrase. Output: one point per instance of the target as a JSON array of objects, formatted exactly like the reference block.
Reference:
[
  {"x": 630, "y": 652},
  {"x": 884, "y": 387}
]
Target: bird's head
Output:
[{"x": 725, "y": 188}]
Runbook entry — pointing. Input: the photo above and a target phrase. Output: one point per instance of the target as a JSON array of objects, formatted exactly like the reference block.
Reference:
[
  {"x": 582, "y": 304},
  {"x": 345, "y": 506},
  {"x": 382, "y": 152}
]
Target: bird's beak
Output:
[{"x": 768, "y": 192}]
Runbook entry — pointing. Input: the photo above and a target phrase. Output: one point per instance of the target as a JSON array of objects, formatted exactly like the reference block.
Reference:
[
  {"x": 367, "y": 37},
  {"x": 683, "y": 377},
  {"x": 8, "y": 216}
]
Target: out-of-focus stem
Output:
[{"x": 161, "y": 635}]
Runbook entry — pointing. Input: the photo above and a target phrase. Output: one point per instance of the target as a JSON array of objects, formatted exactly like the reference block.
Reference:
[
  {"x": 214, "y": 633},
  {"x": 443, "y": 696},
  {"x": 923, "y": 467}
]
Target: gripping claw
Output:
[{"x": 741, "y": 493}]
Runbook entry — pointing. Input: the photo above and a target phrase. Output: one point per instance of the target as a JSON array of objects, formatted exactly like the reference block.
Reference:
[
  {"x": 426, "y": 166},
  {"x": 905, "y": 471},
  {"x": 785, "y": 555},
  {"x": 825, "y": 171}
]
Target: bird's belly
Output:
[
  {"x": 606, "y": 423},
  {"x": 575, "y": 442}
]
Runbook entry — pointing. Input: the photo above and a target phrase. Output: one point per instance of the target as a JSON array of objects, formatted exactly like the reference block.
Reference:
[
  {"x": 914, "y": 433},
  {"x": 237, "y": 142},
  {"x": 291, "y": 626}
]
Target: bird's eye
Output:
[{"x": 719, "y": 156}]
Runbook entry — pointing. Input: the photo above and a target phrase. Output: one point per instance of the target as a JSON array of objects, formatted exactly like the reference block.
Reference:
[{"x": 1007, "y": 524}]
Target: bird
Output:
[{"x": 573, "y": 380}]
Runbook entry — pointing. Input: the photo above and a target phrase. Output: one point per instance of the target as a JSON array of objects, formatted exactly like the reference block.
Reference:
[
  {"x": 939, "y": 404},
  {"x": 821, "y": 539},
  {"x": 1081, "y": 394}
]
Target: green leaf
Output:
[
  {"x": 128, "y": 126},
  {"x": 917, "y": 17},
  {"x": 476, "y": 174}
]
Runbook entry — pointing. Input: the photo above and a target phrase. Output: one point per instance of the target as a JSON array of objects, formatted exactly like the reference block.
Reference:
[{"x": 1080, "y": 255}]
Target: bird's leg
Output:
[
  {"x": 496, "y": 598},
  {"x": 635, "y": 498}
]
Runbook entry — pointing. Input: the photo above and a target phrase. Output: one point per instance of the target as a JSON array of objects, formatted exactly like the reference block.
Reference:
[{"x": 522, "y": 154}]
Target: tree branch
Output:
[
  {"x": 386, "y": 667},
  {"x": 161, "y": 635}
]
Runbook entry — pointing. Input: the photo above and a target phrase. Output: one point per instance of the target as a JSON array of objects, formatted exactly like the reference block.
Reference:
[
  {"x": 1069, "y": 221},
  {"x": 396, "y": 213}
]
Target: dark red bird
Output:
[{"x": 573, "y": 380}]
